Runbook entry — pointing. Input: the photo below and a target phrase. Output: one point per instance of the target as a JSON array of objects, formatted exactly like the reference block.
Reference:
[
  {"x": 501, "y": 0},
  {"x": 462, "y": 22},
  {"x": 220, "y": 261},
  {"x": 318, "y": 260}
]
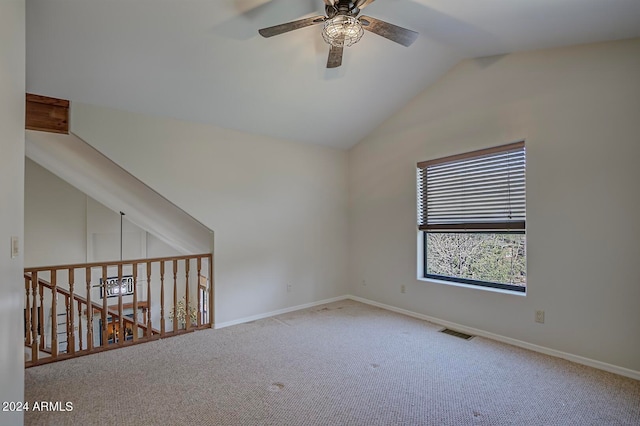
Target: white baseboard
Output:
[
  {"x": 278, "y": 312},
  {"x": 559, "y": 354}
]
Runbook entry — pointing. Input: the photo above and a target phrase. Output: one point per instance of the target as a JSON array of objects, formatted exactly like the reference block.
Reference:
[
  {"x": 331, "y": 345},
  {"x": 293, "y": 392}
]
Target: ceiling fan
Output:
[{"x": 342, "y": 28}]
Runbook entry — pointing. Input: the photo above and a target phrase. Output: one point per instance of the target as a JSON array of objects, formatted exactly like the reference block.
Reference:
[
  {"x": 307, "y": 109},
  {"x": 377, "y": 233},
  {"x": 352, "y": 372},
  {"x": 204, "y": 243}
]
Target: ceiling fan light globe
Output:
[{"x": 342, "y": 30}]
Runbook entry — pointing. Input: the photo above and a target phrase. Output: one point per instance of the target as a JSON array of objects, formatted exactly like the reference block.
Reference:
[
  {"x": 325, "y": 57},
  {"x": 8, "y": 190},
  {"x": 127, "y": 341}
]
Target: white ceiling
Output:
[{"x": 203, "y": 60}]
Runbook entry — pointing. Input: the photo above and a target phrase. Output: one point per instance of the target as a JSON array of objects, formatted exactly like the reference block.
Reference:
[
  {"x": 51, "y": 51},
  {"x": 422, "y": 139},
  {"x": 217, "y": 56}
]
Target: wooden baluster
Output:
[
  {"x": 54, "y": 313},
  {"x": 121, "y": 331},
  {"x": 34, "y": 317},
  {"x": 149, "y": 334},
  {"x": 71, "y": 334},
  {"x": 80, "y": 325},
  {"x": 66, "y": 314},
  {"x": 105, "y": 308},
  {"x": 187, "y": 319},
  {"x": 134, "y": 327},
  {"x": 211, "y": 293},
  {"x": 175, "y": 295},
  {"x": 202, "y": 291},
  {"x": 41, "y": 316},
  {"x": 199, "y": 267},
  {"x": 89, "y": 311},
  {"x": 27, "y": 312},
  {"x": 162, "y": 298}
]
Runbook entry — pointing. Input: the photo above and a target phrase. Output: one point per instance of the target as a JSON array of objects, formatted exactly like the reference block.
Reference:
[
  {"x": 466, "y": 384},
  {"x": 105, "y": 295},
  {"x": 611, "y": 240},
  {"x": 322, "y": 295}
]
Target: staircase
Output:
[{"x": 75, "y": 310}]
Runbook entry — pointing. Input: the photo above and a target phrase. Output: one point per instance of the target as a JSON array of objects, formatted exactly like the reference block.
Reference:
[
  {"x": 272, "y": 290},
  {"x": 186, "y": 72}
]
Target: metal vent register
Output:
[{"x": 456, "y": 333}]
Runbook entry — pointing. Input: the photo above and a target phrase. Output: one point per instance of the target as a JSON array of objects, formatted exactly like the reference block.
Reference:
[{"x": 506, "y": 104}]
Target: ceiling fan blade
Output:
[
  {"x": 335, "y": 57},
  {"x": 361, "y": 4},
  {"x": 290, "y": 26},
  {"x": 392, "y": 32}
]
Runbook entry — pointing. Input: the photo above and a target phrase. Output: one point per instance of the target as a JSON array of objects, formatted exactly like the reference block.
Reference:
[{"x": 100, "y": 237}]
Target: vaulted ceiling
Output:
[{"x": 203, "y": 60}]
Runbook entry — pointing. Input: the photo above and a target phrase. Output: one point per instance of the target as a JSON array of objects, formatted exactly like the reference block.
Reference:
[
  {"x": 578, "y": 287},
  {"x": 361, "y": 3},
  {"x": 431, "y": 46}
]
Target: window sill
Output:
[{"x": 475, "y": 287}]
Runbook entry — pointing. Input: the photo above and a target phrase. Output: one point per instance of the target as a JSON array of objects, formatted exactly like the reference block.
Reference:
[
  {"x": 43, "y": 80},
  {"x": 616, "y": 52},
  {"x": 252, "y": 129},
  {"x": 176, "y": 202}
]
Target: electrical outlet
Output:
[
  {"x": 364, "y": 283},
  {"x": 540, "y": 317},
  {"x": 289, "y": 288},
  {"x": 403, "y": 289}
]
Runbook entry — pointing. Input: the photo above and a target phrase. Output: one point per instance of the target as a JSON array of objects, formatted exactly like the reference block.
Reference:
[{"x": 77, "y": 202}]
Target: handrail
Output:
[
  {"x": 170, "y": 285},
  {"x": 114, "y": 263}
]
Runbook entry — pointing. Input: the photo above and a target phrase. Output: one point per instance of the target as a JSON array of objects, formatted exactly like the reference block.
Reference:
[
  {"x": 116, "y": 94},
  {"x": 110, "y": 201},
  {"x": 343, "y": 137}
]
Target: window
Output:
[{"x": 471, "y": 216}]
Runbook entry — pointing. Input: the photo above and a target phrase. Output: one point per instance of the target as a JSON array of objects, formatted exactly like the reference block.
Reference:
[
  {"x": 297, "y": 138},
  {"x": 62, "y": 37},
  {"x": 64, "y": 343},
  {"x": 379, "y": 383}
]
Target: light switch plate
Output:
[{"x": 15, "y": 247}]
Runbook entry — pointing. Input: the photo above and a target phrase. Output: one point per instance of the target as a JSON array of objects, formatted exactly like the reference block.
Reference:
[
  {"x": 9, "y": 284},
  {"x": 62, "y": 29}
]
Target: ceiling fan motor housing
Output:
[{"x": 342, "y": 7}]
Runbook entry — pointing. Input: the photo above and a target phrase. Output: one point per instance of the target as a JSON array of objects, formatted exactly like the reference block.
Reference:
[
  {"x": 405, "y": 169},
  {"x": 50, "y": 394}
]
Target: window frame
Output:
[{"x": 513, "y": 227}]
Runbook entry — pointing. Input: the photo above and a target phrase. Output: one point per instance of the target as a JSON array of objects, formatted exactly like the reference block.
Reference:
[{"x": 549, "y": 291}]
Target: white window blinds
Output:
[{"x": 478, "y": 191}]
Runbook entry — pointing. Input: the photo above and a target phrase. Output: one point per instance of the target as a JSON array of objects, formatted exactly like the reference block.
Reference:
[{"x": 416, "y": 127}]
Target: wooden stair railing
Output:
[
  {"x": 97, "y": 308},
  {"x": 119, "y": 325}
]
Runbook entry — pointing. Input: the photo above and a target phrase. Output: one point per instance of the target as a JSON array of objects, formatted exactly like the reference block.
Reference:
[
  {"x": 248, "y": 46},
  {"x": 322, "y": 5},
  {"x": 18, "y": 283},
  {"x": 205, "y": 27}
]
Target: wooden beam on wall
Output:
[{"x": 47, "y": 114}]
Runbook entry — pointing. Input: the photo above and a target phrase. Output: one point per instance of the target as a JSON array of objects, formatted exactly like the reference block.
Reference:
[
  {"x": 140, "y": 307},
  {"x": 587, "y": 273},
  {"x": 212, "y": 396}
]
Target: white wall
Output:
[
  {"x": 579, "y": 110},
  {"x": 278, "y": 208},
  {"x": 12, "y": 90},
  {"x": 54, "y": 219},
  {"x": 158, "y": 248},
  {"x": 103, "y": 235}
]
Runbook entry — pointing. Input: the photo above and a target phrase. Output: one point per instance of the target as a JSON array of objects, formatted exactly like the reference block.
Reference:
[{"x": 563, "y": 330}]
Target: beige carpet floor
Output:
[{"x": 344, "y": 363}]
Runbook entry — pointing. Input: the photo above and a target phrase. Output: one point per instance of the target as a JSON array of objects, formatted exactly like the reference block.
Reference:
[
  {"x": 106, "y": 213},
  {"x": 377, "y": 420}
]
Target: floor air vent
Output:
[{"x": 456, "y": 333}]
